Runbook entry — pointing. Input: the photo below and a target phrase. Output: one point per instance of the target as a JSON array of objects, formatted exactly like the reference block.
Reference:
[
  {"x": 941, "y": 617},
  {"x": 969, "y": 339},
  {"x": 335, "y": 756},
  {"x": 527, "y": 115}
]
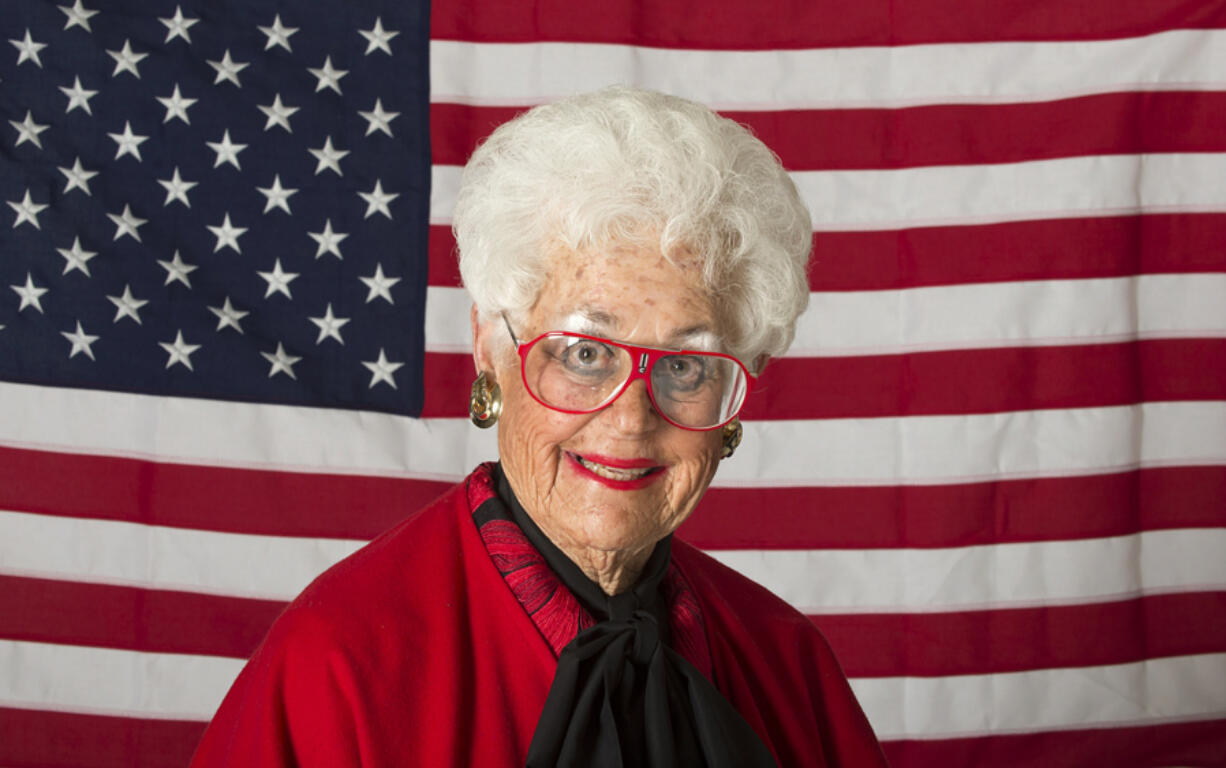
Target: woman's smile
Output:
[{"x": 621, "y": 474}]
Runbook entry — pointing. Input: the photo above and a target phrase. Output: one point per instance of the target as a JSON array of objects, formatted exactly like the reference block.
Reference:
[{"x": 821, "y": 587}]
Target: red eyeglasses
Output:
[{"x": 577, "y": 373}]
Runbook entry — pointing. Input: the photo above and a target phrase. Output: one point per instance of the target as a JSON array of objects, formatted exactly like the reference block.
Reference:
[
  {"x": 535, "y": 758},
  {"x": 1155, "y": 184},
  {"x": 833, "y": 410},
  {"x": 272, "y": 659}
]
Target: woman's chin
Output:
[{"x": 613, "y": 528}]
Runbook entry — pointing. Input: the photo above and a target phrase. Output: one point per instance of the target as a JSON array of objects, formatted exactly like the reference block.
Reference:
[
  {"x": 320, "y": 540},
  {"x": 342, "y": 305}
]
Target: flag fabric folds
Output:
[{"x": 234, "y": 347}]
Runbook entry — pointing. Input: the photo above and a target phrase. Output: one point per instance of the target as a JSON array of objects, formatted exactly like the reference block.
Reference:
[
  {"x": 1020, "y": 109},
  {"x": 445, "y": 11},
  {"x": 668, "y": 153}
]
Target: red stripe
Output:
[
  {"x": 1174, "y": 744},
  {"x": 960, "y": 134},
  {"x": 990, "y": 380},
  {"x": 290, "y": 504},
  {"x": 1050, "y": 249},
  {"x": 208, "y": 498},
  {"x": 938, "y": 383},
  {"x": 75, "y": 613},
  {"x": 1104, "y": 124},
  {"x": 41, "y": 739},
  {"x": 444, "y": 263},
  {"x": 1060, "y": 249},
  {"x": 982, "y": 642},
  {"x": 1003, "y": 511},
  {"x": 741, "y": 24},
  {"x": 868, "y": 645}
]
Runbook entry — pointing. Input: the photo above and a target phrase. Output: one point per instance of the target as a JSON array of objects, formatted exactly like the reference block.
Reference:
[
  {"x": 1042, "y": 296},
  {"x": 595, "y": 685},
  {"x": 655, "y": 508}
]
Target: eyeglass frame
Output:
[{"x": 646, "y": 357}]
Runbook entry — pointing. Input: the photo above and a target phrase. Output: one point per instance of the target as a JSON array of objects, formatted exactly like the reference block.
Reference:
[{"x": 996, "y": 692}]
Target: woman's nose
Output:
[{"x": 632, "y": 412}]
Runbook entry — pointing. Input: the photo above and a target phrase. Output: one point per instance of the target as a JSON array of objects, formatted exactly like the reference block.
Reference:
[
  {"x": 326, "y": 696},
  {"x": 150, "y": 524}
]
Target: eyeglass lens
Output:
[{"x": 577, "y": 374}]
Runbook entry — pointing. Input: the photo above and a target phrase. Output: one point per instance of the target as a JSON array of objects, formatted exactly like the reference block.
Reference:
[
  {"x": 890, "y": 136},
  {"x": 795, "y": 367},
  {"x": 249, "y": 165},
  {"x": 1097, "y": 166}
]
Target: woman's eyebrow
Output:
[
  {"x": 698, "y": 338},
  {"x": 589, "y": 321}
]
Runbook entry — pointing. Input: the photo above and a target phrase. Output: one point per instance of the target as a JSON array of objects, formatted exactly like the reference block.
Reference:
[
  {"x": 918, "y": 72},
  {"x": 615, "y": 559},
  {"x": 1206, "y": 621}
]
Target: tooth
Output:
[{"x": 613, "y": 473}]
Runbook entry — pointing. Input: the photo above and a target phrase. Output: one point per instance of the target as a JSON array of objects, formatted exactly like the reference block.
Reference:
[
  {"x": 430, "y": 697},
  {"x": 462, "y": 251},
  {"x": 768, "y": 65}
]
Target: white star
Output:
[
  {"x": 377, "y": 200},
  {"x": 377, "y": 38},
  {"x": 328, "y": 157},
  {"x": 228, "y": 69},
  {"x": 80, "y": 341},
  {"x": 278, "y": 114},
  {"x": 27, "y": 210},
  {"x": 379, "y": 285},
  {"x": 129, "y": 143},
  {"x": 176, "y": 106},
  {"x": 381, "y": 370},
  {"x": 277, "y": 34},
  {"x": 27, "y": 50},
  {"x": 179, "y": 350},
  {"x": 227, "y": 151},
  {"x": 282, "y": 362},
  {"x": 329, "y": 241},
  {"x": 28, "y": 130},
  {"x": 177, "y": 270},
  {"x": 377, "y": 119},
  {"x": 76, "y": 257},
  {"x": 278, "y": 196},
  {"x": 127, "y": 305},
  {"x": 327, "y": 76},
  {"x": 31, "y": 295},
  {"x": 177, "y": 189},
  {"x": 126, "y": 60},
  {"x": 329, "y": 325},
  {"x": 78, "y": 177},
  {"x": 126, "y": 224},
  {"x": 177, "y": 26},
  {"x": 227, "y": 235},
  {"x": 228, "y": 316},
  {"x": 78, "y": 16},
  {"x": 278, "y": 281},
  {"x": 78, "y": 96}
]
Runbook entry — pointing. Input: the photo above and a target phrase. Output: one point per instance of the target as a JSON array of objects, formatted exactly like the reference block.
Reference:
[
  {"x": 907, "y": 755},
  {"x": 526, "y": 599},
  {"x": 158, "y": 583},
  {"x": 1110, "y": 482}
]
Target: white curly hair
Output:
[{"x": 625, "y": 165}]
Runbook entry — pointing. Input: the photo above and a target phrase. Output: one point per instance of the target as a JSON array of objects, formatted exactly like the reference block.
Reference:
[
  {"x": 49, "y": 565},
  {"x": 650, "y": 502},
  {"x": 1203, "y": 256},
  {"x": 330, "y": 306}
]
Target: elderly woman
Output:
[{"x": 634, "y": 261}]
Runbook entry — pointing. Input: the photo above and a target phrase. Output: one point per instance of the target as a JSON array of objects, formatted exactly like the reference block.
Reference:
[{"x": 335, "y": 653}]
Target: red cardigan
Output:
[{"x": 414, "y": 651}]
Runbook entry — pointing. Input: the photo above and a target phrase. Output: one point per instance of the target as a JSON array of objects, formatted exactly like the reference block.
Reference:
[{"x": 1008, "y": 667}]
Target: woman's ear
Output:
[{"x": 481, "y": 344}]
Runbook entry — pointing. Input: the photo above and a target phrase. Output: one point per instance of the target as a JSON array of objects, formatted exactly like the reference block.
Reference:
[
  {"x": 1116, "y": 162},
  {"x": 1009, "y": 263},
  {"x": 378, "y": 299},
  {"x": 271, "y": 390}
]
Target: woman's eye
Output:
[
  {"x": 587, "y": 355},
  {"x": 685, "y": 372}
]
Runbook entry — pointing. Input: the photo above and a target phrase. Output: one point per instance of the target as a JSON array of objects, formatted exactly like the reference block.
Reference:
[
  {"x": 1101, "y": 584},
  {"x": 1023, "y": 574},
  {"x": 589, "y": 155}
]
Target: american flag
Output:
[{"x": 992, "y": 468}]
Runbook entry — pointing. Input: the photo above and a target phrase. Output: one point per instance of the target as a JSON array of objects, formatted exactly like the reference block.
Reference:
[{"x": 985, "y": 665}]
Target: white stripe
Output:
[
  {"x": 1039, "y": 312},
  {"x": 989, "y": 577},
  {"x": 889, "y": 451},
  {"x": 814, "y": 581},
  {"x": 1101, "y": 185},
  {"x": 240, "y": 435},
  {"x": 105, "y": 681},
  {"x": 159, "y": 685},
  {"x": 524, "y": 74},
  {"x": 1176, "y": 689},
  {"x": 948, "y": 195},
  {"x": 158, "y": 557},
  {"x": 978, "y": 447}
]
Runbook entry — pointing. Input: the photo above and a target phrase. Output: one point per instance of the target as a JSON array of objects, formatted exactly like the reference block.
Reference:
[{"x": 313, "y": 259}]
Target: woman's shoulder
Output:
[
  {"x": 401, "y": 577},
  {"x": 734, "y": 596}
]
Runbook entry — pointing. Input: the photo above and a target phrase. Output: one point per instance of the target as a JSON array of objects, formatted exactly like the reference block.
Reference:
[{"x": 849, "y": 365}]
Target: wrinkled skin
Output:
[{"x": 630, "y": 294}]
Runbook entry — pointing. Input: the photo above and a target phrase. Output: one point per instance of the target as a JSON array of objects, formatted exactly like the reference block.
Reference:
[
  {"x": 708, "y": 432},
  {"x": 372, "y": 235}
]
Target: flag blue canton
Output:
[{"x": 216, "y": 199}]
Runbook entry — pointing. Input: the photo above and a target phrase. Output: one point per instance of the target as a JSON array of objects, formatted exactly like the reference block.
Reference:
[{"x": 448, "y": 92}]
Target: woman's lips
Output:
[{"x": 623, "y": 474}]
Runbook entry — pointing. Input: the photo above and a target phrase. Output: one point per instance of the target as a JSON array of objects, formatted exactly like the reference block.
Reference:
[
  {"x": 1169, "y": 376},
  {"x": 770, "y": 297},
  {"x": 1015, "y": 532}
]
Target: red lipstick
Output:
[{"x": 655, "y": 471}]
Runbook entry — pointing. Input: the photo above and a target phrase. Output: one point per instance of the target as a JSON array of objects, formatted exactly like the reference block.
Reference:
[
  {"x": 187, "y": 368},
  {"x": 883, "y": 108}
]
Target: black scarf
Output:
[{"x": 621, "y": 696}]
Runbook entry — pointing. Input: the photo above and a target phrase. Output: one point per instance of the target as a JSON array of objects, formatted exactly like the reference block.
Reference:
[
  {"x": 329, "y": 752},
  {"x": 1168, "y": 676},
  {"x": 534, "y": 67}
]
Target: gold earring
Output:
[
  {"x": 733, "y": 432},
  {"x": 485, "y": 403}
]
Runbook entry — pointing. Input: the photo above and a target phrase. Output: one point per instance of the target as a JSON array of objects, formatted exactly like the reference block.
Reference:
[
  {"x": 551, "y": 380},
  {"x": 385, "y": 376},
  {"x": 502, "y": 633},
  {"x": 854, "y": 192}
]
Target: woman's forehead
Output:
[
  {"x": 594, "y": 321},
  {"x": 629, "y": 293}
]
